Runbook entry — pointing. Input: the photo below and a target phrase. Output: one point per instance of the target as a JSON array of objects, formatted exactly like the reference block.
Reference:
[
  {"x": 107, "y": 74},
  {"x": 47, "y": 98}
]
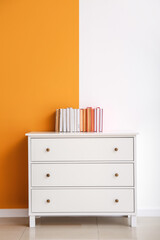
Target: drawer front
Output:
[
  {"x": 83, "y": 200},
  {"x": 81, "y": 149},
  {"x": 82, "y": 175}
]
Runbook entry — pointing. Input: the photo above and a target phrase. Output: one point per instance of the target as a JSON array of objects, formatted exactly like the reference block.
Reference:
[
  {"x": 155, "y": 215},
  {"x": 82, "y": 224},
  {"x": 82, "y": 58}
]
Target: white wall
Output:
[{"x": 120, "y": 71}]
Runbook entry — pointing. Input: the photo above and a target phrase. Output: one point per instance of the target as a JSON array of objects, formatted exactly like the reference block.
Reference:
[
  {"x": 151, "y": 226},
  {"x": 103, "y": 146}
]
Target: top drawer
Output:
[{"x": 71, "y": 149}]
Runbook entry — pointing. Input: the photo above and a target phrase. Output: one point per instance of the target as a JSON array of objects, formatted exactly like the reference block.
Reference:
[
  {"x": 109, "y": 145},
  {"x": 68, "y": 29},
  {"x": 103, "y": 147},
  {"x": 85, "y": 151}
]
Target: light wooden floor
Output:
[{"x": 80, "y": 228}]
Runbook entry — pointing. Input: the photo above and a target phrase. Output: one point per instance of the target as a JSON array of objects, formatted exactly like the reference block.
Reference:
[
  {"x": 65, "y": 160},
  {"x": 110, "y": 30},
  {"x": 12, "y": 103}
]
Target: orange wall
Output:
[{"x": 38, "y": 73}]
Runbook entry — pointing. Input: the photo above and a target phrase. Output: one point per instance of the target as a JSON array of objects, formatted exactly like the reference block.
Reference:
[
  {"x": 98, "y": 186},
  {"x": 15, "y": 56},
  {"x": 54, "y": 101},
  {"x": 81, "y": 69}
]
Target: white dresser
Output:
[{"x": 82, "y": 174}]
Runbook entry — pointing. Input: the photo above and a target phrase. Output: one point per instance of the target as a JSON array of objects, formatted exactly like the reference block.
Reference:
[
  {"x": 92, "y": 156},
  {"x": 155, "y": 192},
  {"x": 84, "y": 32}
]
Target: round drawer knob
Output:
[
  {"x": 116, "y": 149},
  {"x": 116, "y": 200},
  {"x": 47, "y": 175},
  {"x": 116, "y": 174},
  {"x": 48, "y": 200},
  {"x": 47, "y": 149}
]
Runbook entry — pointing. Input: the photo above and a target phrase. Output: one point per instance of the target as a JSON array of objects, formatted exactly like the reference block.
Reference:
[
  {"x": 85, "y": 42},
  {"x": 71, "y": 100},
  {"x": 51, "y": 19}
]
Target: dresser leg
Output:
[
  {"x": 32, "y": 221},
  {"x": 133, "y": 221}
]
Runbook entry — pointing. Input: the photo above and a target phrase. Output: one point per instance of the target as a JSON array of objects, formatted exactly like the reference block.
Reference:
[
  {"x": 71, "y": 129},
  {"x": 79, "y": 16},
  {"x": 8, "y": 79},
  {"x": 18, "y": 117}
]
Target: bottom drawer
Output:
[{"x": 83, "y": 200}]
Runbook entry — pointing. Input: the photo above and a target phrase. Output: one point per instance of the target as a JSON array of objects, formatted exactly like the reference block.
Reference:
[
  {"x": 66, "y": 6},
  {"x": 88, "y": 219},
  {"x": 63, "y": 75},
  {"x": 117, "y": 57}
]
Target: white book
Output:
[
  {"x": 78, "y": 120},
  {"x": 64, "y": 120},
  {"x": 98, "y": 113},
  {"x": 67, "y": 110},
  {"x": 95, "y": 120},
  {"x": 75, "y": 120},
  {"x": 71, "y": 118},
  {"x": 60, "y": 120},
  {"x": 101, "y": 120}
]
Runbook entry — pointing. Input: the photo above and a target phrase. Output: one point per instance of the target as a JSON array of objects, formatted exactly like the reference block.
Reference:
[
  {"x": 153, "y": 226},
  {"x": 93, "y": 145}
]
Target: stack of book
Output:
[{"x": 79, "y": 120}]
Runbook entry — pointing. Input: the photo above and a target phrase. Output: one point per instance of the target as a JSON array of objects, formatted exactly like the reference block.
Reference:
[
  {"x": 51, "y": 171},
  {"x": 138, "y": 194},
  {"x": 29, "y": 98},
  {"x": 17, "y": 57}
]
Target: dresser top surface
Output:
[{"x": 80, "y": 134}]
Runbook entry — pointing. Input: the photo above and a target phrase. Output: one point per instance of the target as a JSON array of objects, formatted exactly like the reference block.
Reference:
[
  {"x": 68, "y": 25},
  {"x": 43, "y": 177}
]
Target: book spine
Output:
[
  {"x": 89, "y": 112},
  {"x": 56, "y": 122},
  {"x": 92, "y": 120},
  {"x": 98, "y": 113},
  {"x": 64, "y": 128},
  {"x": 78, "y": 120},
  {"x": 95, "y": 120},
  {"x": 71, "y": 119},
  {"x": 67, "y": 113},
  {"x": 87, "y": 116},
  {"x": 60, "y": 121},
  {"x": 81, "y": 120},
  {"x": 101, "y": 120},
  {"x": 75, "y": 120},
  {"x": 84, "y": 120}
]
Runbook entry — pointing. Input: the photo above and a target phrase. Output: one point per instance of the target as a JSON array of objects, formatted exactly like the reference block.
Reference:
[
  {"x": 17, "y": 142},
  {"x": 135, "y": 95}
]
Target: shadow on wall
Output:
[
  {"x": 14, "y": 166},
  {"x": 51, "y": 121},
  {"x": 14, "y": 172}
]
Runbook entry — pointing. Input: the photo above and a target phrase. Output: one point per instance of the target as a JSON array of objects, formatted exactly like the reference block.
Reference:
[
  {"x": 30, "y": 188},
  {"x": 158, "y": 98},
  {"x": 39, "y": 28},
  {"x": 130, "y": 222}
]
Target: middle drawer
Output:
[{"x": 103, "y": 175}]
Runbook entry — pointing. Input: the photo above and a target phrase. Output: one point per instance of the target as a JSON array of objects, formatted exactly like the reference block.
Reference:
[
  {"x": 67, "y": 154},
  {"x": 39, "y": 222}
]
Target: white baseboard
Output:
[
  {"x": 23, "y": 212},
  {"x": 148, "y": 212},
  {"x": 18, "y": 212}
]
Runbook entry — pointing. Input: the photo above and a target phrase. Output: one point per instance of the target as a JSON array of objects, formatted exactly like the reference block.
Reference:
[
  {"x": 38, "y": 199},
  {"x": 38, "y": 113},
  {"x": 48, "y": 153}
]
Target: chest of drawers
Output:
[{"x": 82, "y": 174}]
